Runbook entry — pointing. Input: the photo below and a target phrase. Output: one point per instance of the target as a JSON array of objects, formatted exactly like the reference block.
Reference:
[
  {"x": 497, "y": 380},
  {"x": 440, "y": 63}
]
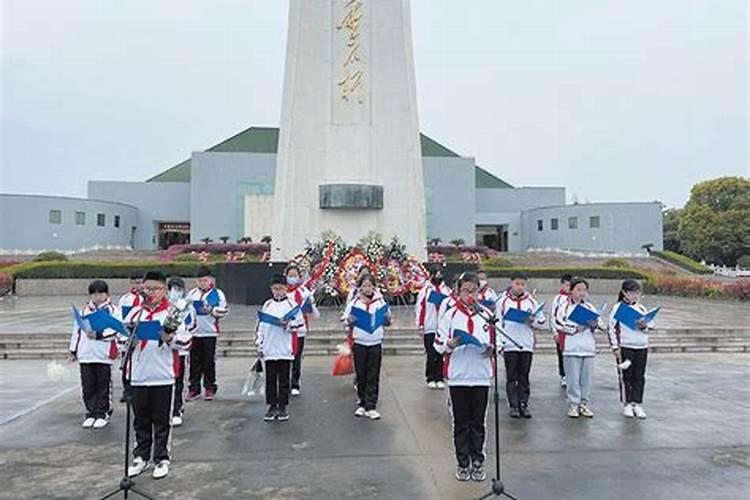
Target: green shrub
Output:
[
  {"x": 622, "y": 263},
  {"x": 186, "y": 257},
  {"x": 682, "y": 261},
  {"x": 744, "y": 262},
  {"x": 497, "y": 262},
  {"x": 556, "y": 272},
  {"x": 89, "y": 269},
  {"x": 50, "y": 257}
]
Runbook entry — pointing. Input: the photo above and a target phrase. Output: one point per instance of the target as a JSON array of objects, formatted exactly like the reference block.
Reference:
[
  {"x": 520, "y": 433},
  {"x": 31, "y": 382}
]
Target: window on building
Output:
[
  {"x": 117, "y": 221},
  {"x": 572, "y": 222},
  {"x": 80, "y": 218},
  {"x": 540, "y": 225},
  {"x": 55, "y": 216},
  {"x": 554, "y": 224},
  {"x": 101, "y": 220},
  {"x": 594, "y": 222}
]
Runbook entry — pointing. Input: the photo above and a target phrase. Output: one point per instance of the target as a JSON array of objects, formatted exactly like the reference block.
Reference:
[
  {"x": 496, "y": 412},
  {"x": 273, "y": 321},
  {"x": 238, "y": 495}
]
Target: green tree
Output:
[
  {"x": 671, "y": 218},
  {"x": 715, "y": 223}
]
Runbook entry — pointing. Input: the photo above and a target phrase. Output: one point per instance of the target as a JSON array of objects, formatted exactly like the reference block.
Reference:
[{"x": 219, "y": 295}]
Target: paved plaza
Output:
[{"x": 695, "y": 443}]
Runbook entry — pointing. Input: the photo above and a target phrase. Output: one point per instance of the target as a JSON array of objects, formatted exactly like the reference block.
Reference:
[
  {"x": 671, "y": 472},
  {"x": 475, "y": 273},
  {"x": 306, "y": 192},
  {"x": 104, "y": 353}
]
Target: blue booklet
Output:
[
  {"x": 436, "y": 297},
  {"x": 125, "y": 310},
  {"x": 211, "y": 300},
  {"x": 520, "y": 316},
  {"x": 307, "y": 307},
  {"x": 582, "y": 315},
  {"x": 469, "y": 339},
  {"x": 148, "y": 330},
  {"x": 370, "y": 322},
  {"x": 488, "y": 303},
  {"x": 98, "y": 321},
  {"x": 629, "y": 316},
  {"x": 264, "y": 317}
]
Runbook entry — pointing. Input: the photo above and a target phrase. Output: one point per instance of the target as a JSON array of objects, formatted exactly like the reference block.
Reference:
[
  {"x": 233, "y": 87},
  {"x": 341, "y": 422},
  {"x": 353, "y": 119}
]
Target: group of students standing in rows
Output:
[{"x": 461, "y": 327}]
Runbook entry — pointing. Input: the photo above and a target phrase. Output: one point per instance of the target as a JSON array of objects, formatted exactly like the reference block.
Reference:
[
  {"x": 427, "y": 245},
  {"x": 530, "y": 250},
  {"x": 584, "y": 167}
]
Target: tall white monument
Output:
[{"x": 349, "y": 156}]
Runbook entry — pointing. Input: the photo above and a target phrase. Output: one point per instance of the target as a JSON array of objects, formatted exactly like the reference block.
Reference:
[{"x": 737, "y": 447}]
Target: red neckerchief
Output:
[
  {"x": 563, "y": 292},
  {"x": 517, "y": 299},
  {"x": 469, "y": 316}
]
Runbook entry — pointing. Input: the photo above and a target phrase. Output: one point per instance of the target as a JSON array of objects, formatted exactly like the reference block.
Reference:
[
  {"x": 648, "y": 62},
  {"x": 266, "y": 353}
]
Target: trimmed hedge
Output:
[
  {"x": 682, "y": 261},
  {"x": 622, "y": 263},
  {"x": 556, "y": 272},
  {"x": 50, "y": 256},
  {"x": 91, "y": 269}
]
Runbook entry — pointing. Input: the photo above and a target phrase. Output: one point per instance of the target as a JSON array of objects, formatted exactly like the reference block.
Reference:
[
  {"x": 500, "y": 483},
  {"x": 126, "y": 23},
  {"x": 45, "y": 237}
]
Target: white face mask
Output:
[
  {"x": 293, "y": 280},
  {"x": 175, "y": 294},
  {"x": 482, "y": 283}
]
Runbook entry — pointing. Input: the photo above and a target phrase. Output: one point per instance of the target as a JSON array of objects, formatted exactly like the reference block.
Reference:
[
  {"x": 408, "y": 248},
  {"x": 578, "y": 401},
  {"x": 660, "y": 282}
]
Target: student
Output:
[
  {"x": 132, "y": 298},
  {"x": 183, "y": 338},
  {"x": 632, "y": 345},
  {"x": 518, "y": 343},
  {"x": 486, "y": 295},
  {"x": 368, "y": 351},
  {"x": 302, "y": 296},
  {"x": 95, "y": 352},
  {"x": 579, "y": 347},
  {"x": 468, "y": 376},
  {"x": 151, "y": 371},
  {"x": 557, "y": 302},
  {"x": 276, "y": 343},
  {"x": 203, "y": 349},
  {"x": 426, "y": 309}
]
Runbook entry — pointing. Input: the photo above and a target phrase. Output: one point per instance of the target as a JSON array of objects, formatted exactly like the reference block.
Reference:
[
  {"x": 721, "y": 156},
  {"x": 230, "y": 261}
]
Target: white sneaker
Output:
[
  {"x": 573, "y": 411},
  {"x": 360, "y": 412},
  {"x": 138, "y": 466},
  {"x": 432, "y": 385},
  {"x": 295, "y": 392},
  {"x": 563, "y": 382},
  {"x": 585, "y": 411},
  {"x": 161, "y": 470},
  {"x": 627, "y": 411},
  {"x": 100, "y": 423},
  {"x": 88, "y": 423},
  {"x": 440, "y": 384},
  {"x": 373, "y": 415},
  {"x": 176, "y": 421},
  {"x": 638, "y": 411}
]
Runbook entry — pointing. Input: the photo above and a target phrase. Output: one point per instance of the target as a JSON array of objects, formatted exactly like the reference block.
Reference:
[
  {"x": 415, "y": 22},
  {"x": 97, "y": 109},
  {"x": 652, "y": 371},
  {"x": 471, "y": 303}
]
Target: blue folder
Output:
[
  {"x": 307, "y": 306},
  {"x": 519, "y": 315},
  {"x": 488, "y": 303},
  {"x": 629, "y": 316},
  {"x": 264, "y": 317},
  {"x": 469, "y": 339},
  {"x": 436, "y": 297},
  {"x": 98, "y": 321},
  {"x": 582, "y": 315},
  {"x": 211, "y": 300},
  {"x": 370, "y": 322},
  {"x": 148, "y": 330},
  {"x": 125, "y": 310}
]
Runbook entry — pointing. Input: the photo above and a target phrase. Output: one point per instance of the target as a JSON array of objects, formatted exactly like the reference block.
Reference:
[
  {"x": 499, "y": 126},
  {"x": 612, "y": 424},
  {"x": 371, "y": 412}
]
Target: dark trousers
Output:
[
  {"x": 152, "y": 409},
  {"x": 277, "y": 382},
  {"x": 367, "y": 361},
  {"x": 469, "y": 409},
  {"x": 560, "y": 366},
  {"x": 297, "y": 363},
  {"x": 433, "y": 370},
  {"x": 517, "y": 387},
  {"x": 179, "y": 387},
  {"x": 96, "y": 385},
  {"x": 203, "y": 363},
  {"x": 633, "y": 378}
]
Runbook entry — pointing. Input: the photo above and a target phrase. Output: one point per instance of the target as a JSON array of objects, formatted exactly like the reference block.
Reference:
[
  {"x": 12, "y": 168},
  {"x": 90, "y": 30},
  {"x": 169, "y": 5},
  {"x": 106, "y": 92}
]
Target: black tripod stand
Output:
[
  {"x": 498, "y": 488},
  {"x": 127, "y": 485}
]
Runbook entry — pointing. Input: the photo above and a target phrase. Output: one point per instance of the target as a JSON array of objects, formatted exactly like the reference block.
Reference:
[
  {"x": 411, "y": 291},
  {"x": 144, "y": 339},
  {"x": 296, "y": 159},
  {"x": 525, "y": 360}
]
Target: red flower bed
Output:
[{"x": 697, "y": 287}]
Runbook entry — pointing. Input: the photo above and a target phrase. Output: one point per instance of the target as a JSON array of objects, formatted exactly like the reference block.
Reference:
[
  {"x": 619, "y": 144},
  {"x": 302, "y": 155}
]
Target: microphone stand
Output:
[
  {"x": 126, "y": 483},
  {"x": 498, "y": 487}
]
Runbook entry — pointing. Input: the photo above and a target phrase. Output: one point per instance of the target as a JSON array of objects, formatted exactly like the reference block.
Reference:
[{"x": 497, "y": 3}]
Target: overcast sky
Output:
[{"x": 617, "y": 101}]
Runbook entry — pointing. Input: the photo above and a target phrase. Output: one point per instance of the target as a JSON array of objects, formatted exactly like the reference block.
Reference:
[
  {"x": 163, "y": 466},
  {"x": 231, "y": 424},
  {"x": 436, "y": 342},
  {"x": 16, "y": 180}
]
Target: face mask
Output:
[
  {"x": 437, "y": 280},
  {"x": 293, "y": 280},
  {"x": 174, "y": 295},
  {"x": 482, "y": 283}
]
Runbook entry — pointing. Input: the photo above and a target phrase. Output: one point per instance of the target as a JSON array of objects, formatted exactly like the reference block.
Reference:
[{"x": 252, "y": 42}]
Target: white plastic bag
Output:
[{"x": 255, "y": 383}]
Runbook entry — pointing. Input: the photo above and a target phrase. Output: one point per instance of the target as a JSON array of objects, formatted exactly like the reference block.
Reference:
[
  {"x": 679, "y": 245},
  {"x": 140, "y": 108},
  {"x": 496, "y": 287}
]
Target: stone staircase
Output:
[{"x": 397, "y": 342}]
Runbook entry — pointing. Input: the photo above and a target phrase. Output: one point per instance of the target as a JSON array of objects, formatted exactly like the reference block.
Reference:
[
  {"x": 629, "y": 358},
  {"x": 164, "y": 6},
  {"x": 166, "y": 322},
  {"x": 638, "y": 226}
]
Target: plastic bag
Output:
[
  {"x": 343, "y": 364},
  {"x": 57, "y": 372},
  {"x": 255, "y": 383}
]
